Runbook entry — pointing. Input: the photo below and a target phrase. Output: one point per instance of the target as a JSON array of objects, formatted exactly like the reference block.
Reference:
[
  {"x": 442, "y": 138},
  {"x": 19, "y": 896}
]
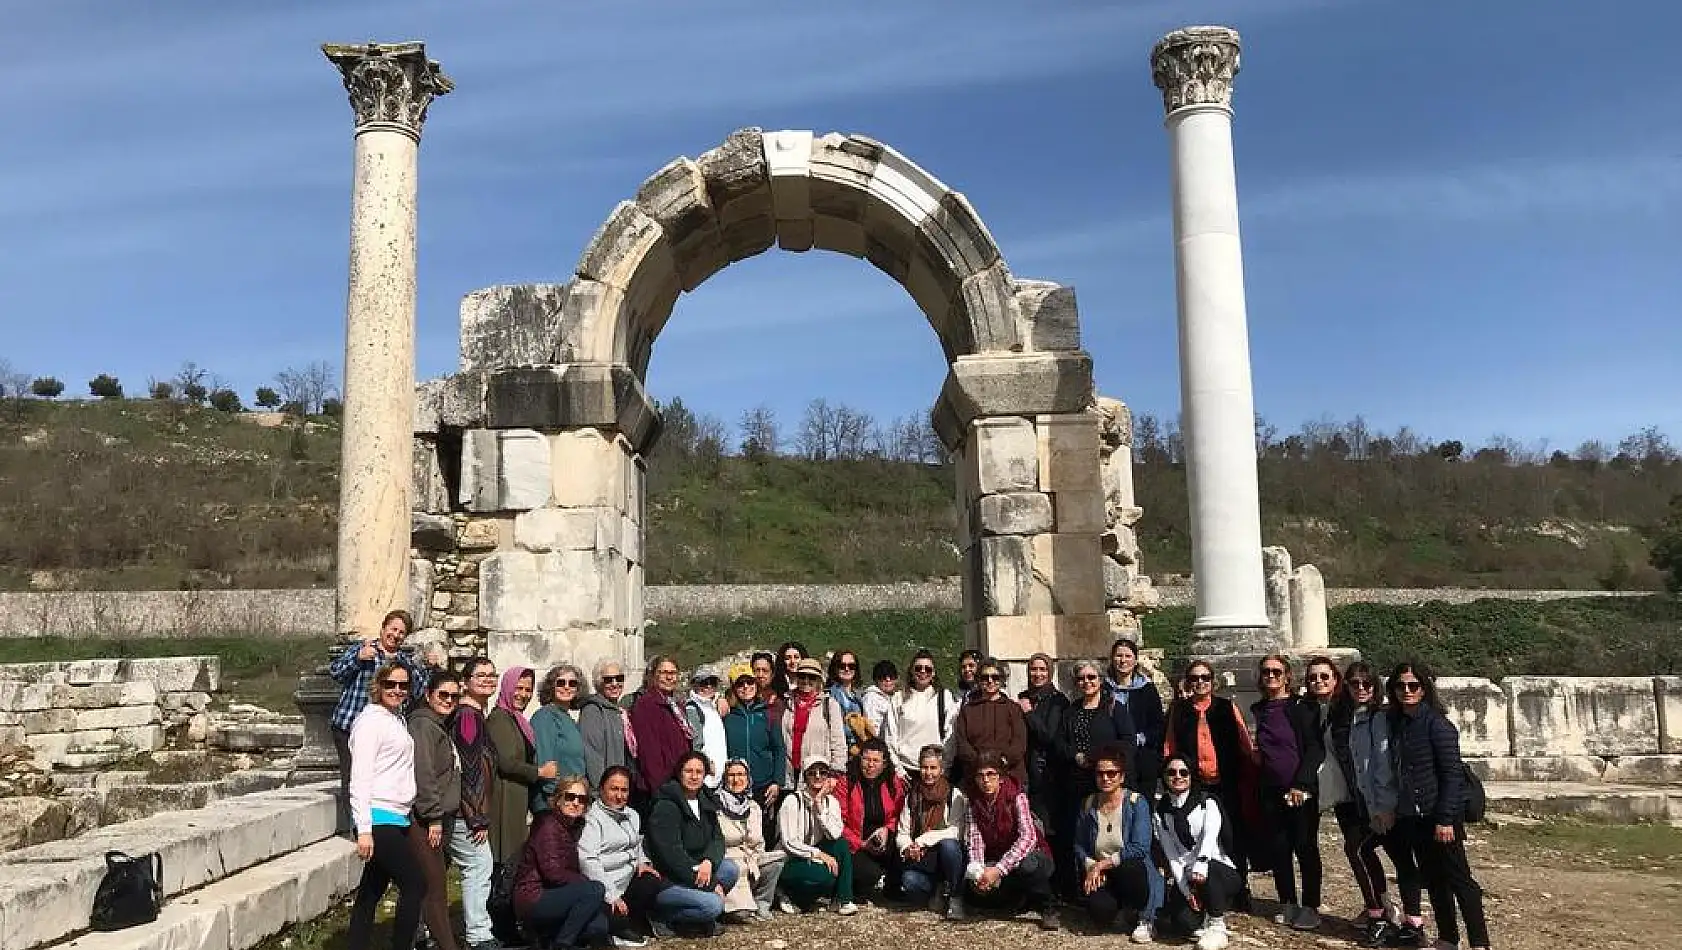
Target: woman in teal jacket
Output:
[
  {"x": 751, "y": 734},
  {"x": 555, "y": 731},
  {"x": 1113, "y": 850}
]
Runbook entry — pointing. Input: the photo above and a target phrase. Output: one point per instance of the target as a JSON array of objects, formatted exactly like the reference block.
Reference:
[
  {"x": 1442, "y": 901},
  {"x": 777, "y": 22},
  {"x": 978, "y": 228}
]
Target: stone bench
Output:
[{"x": 46, "y": 891}]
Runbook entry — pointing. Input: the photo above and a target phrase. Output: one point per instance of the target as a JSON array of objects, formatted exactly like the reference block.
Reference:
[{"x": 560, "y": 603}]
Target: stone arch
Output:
[{"x": 536, "y": 446}]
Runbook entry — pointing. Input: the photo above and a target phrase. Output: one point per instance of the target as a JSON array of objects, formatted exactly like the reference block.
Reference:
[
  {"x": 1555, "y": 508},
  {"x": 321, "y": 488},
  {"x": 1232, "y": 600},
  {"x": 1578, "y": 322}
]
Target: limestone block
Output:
[
  {"x": 931, "y": 286},
  {"x": 1539, "y": 768},
  {"x": 180, "y": 926},
  {"x": 839, "y": 235},
  {"x": 1068, "y": 452},
  {"x": 739, "y": 188},
  {"x": 30, "y": 820},
  {"x": 1080, "y": 512},
  {"x": 1005, "y": 575},
  {"x": 522, "y": 590},
  {"x": 1276, "y": 587},
  {"x": 1068, "y": 575},
  {"x": 432, "y": 532},
  {"x": 630, "y": 539},
  {"x": 598, "y": 395},
  {"x": 563, "y": 529},
  {"x": 256, "y": 736},
  {"x": 1011, "y": 638},
  {"x": 88, "y": 672},
  {"x": 990, "y": 319},
  {"x": 504, "y": 470},
  {"x": 509, "y": 325},
  {"x": 441, "y": 600},
  {"x": 1478, "y": 708},
  {"x": 1118, "y": 583},
  {"x": 1308, "y": 609},
  {"x": 456, "y": 401},
  {"x": 422, "y": 578},
  {"x": 116, "y": 717},
  {"x": 1027, "y": 384},
  {"x": 1120, "y": 545},
  {"x": 1015, "y": 513},
  {"x": 175, "y": 674},
  {"x": 49, "y": 720},
  {"x": 1004, "y": 455},
  {"x": 1124, "y": 624},
  {"x": 788, "y": 161},
  {"x": 1049, "y": 317},
  {"x": 1644, "y": 769},
  {"x": 1667, "y": 692},
  {"x": 1077, "y": 635},
  {"x": 482, "y": 533},
  {"x": 588, "y": 468},
  {"x": 1582, "y": 715},
  {"x": 957, "y": 237},
  {"x": 1116, "y": 474}
]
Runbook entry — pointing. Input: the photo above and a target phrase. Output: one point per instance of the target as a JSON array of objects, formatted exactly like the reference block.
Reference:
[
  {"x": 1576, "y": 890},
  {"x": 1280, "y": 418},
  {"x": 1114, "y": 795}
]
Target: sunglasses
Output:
[
  {"x": 1200, "y": 677},
  {"x": 1087, "y": 678},
  {"x": 570, "y": 684},
  {"x": 1360, "y": 684},
  {"x": 575, "y": 798},
  {"x": 617, "y": 678},
  {"x": 818, "y": 773},
  {"x": 1177, "y": 773},
  {"x": 448, "y": 696},
  {"x": 1272, "y": 672},
  {"x": 848, "y": 666},
  {"x": 670, "y": 672},
  {"x": 401, "y": 686},
  {"x": 991, "y": 677},
  {"x": 1109, "y": 773},
  {"x": 1410, "y": 686},
  {"x": 922, "y": 669},
  {"x": 807, "y": 677},
  {"x": 1321, "y": 677}
]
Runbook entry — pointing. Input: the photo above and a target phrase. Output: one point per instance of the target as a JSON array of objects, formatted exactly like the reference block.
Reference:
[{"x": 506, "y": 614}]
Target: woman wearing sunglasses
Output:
[
  {"x": 1195, "y": 836},
  {"x": 1290, "y": 750},
  {"x": 554, "y": 728},
  {"x": 382, "y": 799},
  {"x": 608, "y": 740},
  {"x": 437, "y": 797},
  {"x": 992, "y": 720},
  {"x": 1430, "y": 835},
  {"x": 1112, "y": 848},
  {"x": 552, "y": 896},
  {"x": 1209, "y": 732},
  {"x": 1360, "y": 741},
  {"x": 1093, "y": 720}
]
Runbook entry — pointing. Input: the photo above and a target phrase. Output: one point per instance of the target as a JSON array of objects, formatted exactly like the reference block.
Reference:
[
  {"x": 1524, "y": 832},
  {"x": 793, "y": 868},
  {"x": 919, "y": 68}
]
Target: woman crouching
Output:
[
  {"x": 1189, "y": 825},
  {"x": 1112, "y": 844},
  {"x": 1008, "y": 857},
  {"x": 559, "y": 905}
]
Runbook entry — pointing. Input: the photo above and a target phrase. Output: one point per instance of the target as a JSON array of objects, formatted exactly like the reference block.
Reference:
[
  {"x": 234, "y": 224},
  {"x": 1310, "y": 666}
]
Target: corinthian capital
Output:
[
  {"x": 1195, "y": 66},
  {"x": 390, "y": 84}
]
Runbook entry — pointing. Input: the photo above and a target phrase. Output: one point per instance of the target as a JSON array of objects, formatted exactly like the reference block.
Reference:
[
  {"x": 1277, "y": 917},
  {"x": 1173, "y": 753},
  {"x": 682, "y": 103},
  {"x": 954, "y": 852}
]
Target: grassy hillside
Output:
[{"x": 142, "y": 494}]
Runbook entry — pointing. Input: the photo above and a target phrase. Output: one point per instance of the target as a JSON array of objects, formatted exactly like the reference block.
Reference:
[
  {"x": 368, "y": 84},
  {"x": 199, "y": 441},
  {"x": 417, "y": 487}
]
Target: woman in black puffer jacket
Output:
[{"x": 1430, "y": 835}]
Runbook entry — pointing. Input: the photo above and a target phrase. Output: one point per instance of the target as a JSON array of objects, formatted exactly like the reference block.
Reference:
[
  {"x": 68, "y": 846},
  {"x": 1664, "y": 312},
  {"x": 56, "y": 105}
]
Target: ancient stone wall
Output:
[{"x": 90, "y": 714}]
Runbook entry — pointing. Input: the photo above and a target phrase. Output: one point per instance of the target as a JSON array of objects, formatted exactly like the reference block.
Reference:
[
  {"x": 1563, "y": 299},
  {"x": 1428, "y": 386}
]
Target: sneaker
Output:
[
  {"x": 1380, "y": 933},
  {"x": 1307, "y": 918},
  {"x": 491, "y": 944},
  {"x": 628, "y": 941},
  {"x": 660, "y": 929},
  {"x": 847, "y": 909},
  {"x": 787, "y": 906},
  {"x": 1214, "y": 935},
  {"x": 763, "y": 913},
  {"x": 1050, "y": 919},
  {"x": 1410, "y": 935},
  {"x": 955, "y": 908},
  {"x": 1446, "y": 945},
  {"x": 936, "y": 903},
  {"x": 1287, "y": 915},
  {"x": 1142, "y": 933}
]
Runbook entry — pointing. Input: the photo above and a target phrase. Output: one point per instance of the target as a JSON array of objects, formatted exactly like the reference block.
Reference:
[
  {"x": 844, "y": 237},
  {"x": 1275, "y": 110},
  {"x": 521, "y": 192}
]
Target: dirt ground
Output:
[{"x": 1548, "y": 885}]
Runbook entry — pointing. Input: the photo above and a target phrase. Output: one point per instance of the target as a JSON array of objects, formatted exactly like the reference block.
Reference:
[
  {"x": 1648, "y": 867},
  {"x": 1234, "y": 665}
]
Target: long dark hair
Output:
[
  {"x": 1421, "y": 672},
  {"x": 835, "y": 668},
  {"x": 779, "y": 676},
  {"x": 1344, "y": 704}
]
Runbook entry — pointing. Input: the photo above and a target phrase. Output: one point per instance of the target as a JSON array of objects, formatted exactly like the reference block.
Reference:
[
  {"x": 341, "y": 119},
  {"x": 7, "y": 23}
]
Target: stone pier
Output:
[
  {"x": 390, "y": 87},
  {"x": 1194, "y": 68}
]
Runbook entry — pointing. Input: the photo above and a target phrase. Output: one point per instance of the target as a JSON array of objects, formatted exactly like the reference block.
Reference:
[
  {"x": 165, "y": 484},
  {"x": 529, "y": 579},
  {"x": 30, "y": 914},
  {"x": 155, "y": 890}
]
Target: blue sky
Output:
[{"x": 1460, "y": 217}]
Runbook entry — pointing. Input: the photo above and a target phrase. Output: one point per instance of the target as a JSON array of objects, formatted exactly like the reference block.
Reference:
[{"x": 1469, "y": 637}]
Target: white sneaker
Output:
[
  {"x": 848, "y": 909},
  {"x": 1307, "y": 918},
  {"x": 1287, "y": 915},
  {"x": 1214, "y": 935},
  {"x": 1142, "y": 933},
  {"x": 629, "y": 942},
  {"x": 787, "y": 906}
]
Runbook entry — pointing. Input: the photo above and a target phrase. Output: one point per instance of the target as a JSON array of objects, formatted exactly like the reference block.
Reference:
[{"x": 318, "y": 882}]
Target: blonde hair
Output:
[{"x": 384, "y": 672}]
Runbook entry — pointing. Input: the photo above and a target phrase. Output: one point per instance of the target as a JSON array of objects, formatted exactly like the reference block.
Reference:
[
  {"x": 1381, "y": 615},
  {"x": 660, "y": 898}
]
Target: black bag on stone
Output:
[{"x": 130, "y": 893}]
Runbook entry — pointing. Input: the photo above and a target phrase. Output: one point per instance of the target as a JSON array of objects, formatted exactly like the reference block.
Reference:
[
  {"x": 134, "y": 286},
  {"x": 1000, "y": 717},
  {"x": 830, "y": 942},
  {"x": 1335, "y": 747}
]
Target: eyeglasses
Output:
[
  {"x": 1360, "y": 684},
  {"x": 483, "y": 676},
  {"x": 818, "y": 772},
  {"x": 991, "y": 677},
  {"x": 1321, "y": 677},
  {"x": 1177, "y": 773},
  {"x": 1200, "y": 677},
  {"x": 575, "y": 798},
  {"x": 401, "y": 686},
  {"x": 1109, "y": 773},
  {"x": 1087, "y": 678},
  {"x": 566, "y": 684},
  {"x": 667, "y": 672},
  {"x": 922, "y": 669},
  {"x": 1410, "y": 686},
  {"x": 610, "y": 680},
  {"x": 448, "y": 696},
  {"x": 1271, "y": 672}
]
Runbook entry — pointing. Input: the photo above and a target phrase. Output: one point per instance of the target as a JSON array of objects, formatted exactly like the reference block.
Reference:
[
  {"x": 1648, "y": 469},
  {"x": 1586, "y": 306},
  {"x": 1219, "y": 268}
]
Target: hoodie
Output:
[
  {"x": 437, "y": 774},
  {"x": 610, "y": 847},
  {"x": 681, "y": 833},
  {"x": 879, "y": 710},
  {"x": 1144, "y": 705}
]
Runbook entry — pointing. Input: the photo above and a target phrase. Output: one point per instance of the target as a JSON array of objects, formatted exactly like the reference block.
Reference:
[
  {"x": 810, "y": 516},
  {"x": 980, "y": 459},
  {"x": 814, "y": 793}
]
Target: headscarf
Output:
[
  {"x": 734, "y": 806},
  {"x": 505, "y": 698}
]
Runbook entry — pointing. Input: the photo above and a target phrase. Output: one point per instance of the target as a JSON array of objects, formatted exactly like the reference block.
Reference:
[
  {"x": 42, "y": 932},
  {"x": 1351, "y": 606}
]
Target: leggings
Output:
[
  {"x": 1360, "y": 846},
  {"x": 435, "y": 908},
  {"x": 1446, "y": 874},
  {"x": 1292, "y": 833},
  {"x": 393, "y": 862}
]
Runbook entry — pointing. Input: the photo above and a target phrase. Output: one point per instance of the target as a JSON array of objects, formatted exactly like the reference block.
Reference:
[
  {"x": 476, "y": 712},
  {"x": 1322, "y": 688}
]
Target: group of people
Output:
[{"x": 786, "y": 784}]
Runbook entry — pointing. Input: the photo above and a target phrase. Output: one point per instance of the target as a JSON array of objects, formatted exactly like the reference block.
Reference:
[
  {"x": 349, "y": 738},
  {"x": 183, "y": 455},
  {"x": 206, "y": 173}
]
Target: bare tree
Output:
[
  {"x": 760, "y": 434},
  {"x": 309, "y": 387},
  {"x": 14, "y": 383},
  {"x": 1266, "y": 435},
  {"x": 817, "y": 431},
  {"x": 856, "y": 436},
  {"x": 190, "y": 382}
]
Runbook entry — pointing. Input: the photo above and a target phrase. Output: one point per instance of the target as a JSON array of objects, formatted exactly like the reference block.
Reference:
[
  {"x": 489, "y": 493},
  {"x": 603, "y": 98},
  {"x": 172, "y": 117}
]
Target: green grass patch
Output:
[{"x": 1647, "y": 847}]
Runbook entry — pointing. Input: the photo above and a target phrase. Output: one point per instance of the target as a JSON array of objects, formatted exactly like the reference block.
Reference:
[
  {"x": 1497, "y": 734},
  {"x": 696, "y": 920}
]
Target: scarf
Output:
[
  {"x": 870, "y": 789},
  {"x": 802, "y": 704},
  {"x": 732, "y": 805},
  {"x": 505, "y": 699},
  {"x": 630, "y": 735},
  {"x": 1179, "y": 816},
  {"x": 670, "y": 699},
  {"x": 930, "y": 806}
]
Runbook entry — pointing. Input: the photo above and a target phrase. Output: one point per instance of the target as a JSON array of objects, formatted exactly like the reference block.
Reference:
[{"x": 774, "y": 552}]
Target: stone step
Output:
[
  {"x": 1614, "y": 802},
  {"x": 243, "y": 910},
  {"x": 46, "y": 891}
]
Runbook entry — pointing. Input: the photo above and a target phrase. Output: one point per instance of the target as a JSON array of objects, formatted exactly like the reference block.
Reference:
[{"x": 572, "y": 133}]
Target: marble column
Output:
[
  {"x": 1194, "y": 68},
  {"x": 390, "y": 87}
]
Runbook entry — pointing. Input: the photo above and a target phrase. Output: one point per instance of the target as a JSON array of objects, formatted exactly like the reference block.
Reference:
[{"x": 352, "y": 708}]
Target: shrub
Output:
[
  {"x": 47, "y": 387},
  {"x": 105, "y": 386},
  {"x": 225, "y": 400}
]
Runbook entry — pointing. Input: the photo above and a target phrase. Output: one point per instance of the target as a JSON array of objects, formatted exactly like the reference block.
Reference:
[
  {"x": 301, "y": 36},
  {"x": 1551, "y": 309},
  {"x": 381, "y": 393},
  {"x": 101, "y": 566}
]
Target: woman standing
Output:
[
  {"x": 1134, "y": 690},
  {"x": 687, "y": 848},
  {"x": 789, "y": 656},
  {"x": 752, "y": 737},
  {"x": 1210, "y": 734},
  {"x": 877, "y": 701},
  {"x": 663, "y": 734},
  {"x": 382, "y": 797},
  {"x": 517, "y": 770},
  {"x": 1008, "y": 856},
  {"x": 1367, "y": 818},
  {"x": 764, "y": 666},
  {"x": 1112, "y": 849},
  {"x": 842, "y": 683},
  {"x": 990, "y": 721},
  {"x": 1095, "y": 720},
  {"x": 927, "y": 837},
  {"x": 1191, "y": 827},
  {"x": 603, "y": 725},
  {"x": 819, "y": 863},
  {"x": 552, "y": 896},
  {"x": 742, "y": 823},
  {"x": 924, "y": 712},
  {"x": 871, "y": 798},
  {"x": 611, "y": 853},
  {"x": 437, "y": 798},
  {"x": 1043, "y": 706},
  {"x": 1430, "y": 832},
  {"x": 1290, "y": 750},
  {"x": 555, "y": 733},
  {"x": 470, "y": 848},
  {"x": 812, "y": 724}
]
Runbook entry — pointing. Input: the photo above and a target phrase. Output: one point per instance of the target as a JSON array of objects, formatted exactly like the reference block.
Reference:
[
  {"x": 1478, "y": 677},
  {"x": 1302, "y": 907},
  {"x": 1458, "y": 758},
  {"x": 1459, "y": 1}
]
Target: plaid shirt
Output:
[{"x": 356, "y": 676}]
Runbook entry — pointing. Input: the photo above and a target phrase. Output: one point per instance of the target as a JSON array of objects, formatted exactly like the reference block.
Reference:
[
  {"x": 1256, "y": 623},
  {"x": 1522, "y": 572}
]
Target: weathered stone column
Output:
[
  {"x": 390, "y": 87},
  {"x": 1194, "y": 68}
]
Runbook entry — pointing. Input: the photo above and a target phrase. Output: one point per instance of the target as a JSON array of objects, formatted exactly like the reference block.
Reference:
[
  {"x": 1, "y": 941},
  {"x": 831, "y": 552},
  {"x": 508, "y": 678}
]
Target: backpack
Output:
[
  {"x": 940, "y": 711},
  {"x": 131, "y": 892},
  {"x": 499, "y": 906},
  {"x": 1476, "y": 803}
]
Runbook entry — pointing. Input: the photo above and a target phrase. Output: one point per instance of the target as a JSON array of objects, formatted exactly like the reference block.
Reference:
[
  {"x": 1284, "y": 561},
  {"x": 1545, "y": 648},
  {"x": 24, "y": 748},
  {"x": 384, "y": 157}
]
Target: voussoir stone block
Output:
[
  {"x": 509, "y": 325},
  {"x": 986, "y": 318},
  {"x": 1050, "y": 319},
  {"x": 1583, "y": 715},
  {"x": 504, "y": 470},
  {"x": 739, "y": 188},
  {"x": 676, "y": 197},
  {"x": 1026, "y": 384},
  {"x": 1015, "y": 513},
  {"x": 1004, "y": 452}
]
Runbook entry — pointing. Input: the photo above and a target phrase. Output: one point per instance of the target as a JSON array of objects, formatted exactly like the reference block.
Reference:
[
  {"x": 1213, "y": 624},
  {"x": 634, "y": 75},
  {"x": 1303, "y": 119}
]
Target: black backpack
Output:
[
  {"x": 130, "y": 893},
  {"x": 1476, "y": 801}
]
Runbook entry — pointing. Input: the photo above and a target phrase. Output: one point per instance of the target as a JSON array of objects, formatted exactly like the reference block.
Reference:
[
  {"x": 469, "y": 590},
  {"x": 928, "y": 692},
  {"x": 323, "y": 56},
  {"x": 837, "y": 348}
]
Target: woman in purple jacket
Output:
[{"x": 554, "y": 899}]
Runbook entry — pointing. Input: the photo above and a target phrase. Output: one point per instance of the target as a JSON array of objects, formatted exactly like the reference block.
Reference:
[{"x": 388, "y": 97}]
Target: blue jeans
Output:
[
  {"x": 474, "y": 861},
  {"x": 569, "y": 915},
  {"x": 941, "y": 864},
  {"x": 688, "y": 906}
]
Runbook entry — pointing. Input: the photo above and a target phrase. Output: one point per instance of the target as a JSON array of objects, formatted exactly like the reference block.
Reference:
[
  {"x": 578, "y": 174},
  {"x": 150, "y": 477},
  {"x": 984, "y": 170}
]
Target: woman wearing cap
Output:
[
  {"x": 742, "y": 822},
  {"x": 993, "y": 721},
  {"x": 813, "y": 725},
  {"x": 706, "y": 722},
  {"x": 663, "y": 733},
  {"x": 819, "y": 863},
  {"x": 753, "y": 736}
]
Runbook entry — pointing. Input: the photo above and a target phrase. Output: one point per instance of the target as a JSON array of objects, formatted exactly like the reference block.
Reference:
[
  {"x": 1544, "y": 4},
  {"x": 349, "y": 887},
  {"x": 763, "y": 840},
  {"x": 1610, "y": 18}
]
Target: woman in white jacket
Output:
[
  {"x": 743, "y": 825},
  {"x": 382, "y": 800},
  {"x": 1204, "y": 879},
  {"x": 819, "y": 863},
  {"x": 923, "y": 712}
]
